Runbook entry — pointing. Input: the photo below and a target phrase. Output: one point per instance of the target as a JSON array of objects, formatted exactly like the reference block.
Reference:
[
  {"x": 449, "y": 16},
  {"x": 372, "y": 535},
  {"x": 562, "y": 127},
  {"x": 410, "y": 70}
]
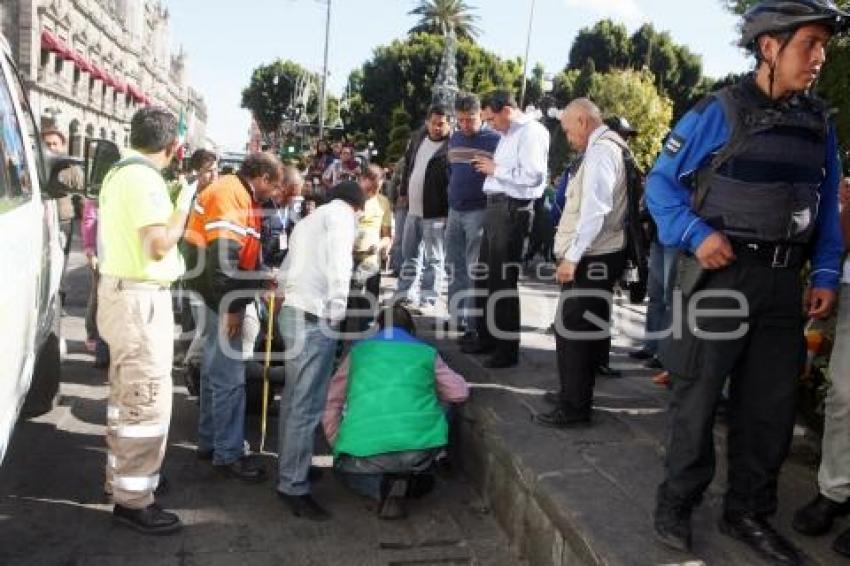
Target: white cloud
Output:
[{"x": 619, "y": 10}]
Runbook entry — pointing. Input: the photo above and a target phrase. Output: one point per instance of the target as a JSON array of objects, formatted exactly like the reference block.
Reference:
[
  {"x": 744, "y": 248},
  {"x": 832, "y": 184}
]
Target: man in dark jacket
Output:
[{"x": 424, "y": 191}]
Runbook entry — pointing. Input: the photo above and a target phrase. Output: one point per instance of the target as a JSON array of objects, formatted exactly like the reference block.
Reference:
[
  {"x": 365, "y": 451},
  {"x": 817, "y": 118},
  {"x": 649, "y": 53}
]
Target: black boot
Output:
[
  {"x": 152, "y": 520},
  {"x": 758, "y": 534},
  {"x": 842, "y": 544},
  {"x": 672, "y": 525},
  {"x": 816, "y": 518}
]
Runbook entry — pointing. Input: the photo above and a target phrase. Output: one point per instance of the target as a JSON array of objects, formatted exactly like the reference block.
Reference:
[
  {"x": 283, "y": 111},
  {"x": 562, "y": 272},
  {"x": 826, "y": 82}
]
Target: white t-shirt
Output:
[{"x": 416, "y": 184}]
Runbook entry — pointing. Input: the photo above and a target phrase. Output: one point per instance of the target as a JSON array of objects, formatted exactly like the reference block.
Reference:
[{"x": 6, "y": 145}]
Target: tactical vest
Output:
[
  {"x": 391, "y": 400},
  {"x": 763, "y": 185}
]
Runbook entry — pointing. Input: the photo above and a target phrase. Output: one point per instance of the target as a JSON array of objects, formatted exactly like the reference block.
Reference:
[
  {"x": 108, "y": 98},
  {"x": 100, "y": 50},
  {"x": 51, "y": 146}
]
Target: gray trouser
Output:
[{"x": 834, "y": 473}]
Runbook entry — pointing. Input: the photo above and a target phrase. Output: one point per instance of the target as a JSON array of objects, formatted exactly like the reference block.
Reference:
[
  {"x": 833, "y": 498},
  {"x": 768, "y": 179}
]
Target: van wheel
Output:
[{"x": 44, "y": 388}]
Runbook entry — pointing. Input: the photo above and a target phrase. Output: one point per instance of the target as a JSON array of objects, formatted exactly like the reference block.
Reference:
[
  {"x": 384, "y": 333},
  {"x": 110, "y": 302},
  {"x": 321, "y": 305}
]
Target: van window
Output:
[
  {"x": 16, "y": 182},
  {"x": 32, "y": 133}
]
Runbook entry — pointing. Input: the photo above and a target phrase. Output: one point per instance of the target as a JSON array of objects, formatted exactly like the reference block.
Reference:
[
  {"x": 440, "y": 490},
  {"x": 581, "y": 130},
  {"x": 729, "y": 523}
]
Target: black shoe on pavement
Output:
[
  {"x": 760, "y": 536},
  {"x": 304, "y": 506},
  {"x": 393, "y": 492},
  {"x": 476, "y": 346},
  {"x": 552, "y": 398},
  {"x": 558, "y": 418},
  {"x": 152, "y": 520},
  {"x": 501, "y": 361},
  {"x": 816, "y": 518},
  {"x": 842, "y": 544},
  {"x": 654, "y": 363},
  {"x": 242, "y": 469},
  {"x": 606, "y": 371},
  {"x": 672, "y": 525},
  {"x": 642, "y": 354}
]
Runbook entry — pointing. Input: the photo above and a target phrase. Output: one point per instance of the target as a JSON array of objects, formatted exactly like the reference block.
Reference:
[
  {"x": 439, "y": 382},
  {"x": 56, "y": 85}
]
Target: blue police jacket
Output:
[{"x": 691, "y": 145}]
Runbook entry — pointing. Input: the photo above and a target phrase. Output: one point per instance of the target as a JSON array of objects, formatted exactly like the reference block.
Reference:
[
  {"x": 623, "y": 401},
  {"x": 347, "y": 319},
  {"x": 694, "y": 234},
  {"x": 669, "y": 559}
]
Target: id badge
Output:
[{"x": 284, "y": 241}]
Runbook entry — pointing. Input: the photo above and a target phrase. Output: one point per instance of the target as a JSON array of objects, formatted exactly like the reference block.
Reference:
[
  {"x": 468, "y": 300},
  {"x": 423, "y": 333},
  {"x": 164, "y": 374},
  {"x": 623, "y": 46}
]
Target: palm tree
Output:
[{"x": 438, "y": 16}]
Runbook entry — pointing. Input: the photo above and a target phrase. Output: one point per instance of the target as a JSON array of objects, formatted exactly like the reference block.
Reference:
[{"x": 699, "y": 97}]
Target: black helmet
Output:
[
  {"x": 777, "y": 16},
  {"x": 621, "y": 126}
]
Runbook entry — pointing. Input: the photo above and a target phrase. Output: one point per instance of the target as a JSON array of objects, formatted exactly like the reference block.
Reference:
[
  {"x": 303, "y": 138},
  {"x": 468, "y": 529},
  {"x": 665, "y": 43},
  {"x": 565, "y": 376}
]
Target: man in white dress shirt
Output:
[
  {"x": 314, "y": 279},
  {"x": 515, "y": 177},
  {"x": 589, "y": 247}
]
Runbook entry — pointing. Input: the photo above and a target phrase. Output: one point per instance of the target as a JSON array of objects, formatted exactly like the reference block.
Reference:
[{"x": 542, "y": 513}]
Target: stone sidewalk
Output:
[{"x": 586, "y": 495}]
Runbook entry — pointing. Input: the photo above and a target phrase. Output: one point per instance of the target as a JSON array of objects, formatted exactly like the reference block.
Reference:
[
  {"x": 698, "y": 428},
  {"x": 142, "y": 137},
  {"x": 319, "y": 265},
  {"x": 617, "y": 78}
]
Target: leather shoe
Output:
[
  {"x": 842, "y": 544},
  {"x": 553, "y": 398},
  {"x": 672, "y": 524},
  {"x": 606, "y": 371},
  {"x": 151, "y": 520},
  {"x": 476, "y": 346},
  {"x": 242, "y": 469},
  {"x": 642, "y": 354},
  {"x": 816, "y": 518},
  {"x": 501, "y": 361},
  {"x": 304, "y": 506},
  {"x": 558, "y": 418},
  {"x": 760, "y": 536}
]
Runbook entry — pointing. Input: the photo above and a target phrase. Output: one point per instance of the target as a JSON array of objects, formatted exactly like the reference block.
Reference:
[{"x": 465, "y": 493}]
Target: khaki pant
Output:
[{"x": 136, "y": 321}]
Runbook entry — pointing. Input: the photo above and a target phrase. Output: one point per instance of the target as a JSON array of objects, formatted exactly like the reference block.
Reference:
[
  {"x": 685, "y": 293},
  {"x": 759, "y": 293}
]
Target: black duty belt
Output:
[
  {"x": 776, "y": 256},
  {"x": 502, "y": 197}
]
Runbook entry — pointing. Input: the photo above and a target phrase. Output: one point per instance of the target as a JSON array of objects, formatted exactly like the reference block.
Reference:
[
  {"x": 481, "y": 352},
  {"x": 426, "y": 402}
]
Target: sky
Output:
[{"x": 225, "y": 40}]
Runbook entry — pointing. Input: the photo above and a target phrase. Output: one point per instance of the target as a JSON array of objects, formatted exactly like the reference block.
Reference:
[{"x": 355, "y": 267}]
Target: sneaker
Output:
[{"x": 151, "y": 520}]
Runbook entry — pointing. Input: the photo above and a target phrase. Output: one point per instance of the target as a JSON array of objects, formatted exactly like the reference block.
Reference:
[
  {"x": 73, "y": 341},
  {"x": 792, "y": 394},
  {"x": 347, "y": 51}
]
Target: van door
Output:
[{"x": 21, "y": 223}]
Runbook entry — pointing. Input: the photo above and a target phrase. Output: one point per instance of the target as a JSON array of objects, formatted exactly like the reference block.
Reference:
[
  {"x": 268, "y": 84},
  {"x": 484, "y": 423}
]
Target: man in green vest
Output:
[{"x": 385, "y": 415}]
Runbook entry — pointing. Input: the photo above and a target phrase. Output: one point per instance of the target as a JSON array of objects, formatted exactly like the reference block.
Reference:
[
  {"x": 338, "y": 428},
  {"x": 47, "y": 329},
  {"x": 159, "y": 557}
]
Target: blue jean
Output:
[
  {"x": 464, "y": 230},
  {"x": 310, "y": 350},
  {"x": 662, "y": 261},
  {"x": 396, "y": 256},
  {"x": 221, "y": 425},
  {"x": 422, "y": 248}
]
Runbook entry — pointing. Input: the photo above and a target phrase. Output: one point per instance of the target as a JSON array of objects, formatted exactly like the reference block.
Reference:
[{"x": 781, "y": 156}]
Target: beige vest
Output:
[{"x": 612, "y": 237}]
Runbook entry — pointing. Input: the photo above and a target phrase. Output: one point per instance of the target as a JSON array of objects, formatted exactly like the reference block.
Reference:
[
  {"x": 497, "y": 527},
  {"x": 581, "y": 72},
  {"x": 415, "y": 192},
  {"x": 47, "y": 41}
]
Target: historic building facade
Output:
[{"x": 89, "y": 64}]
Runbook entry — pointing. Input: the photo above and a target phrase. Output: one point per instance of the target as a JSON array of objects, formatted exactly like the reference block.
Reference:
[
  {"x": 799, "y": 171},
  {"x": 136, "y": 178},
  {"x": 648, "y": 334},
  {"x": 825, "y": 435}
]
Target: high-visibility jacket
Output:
[{"x": 223, "y": 243}]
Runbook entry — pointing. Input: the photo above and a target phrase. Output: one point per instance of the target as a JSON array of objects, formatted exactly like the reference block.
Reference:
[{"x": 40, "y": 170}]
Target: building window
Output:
[{"x": 57, "y": 65}]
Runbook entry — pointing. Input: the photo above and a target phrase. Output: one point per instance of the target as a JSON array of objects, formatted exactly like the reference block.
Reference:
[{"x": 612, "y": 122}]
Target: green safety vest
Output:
[{"x": 391, "y": 400}]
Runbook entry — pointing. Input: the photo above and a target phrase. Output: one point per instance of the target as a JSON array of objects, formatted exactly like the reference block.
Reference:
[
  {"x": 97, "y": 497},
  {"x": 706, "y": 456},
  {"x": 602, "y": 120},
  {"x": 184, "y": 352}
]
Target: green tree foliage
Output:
[
  {"x": 677, "y": 70},
  {"x": 401, "y": 75},
  {"x": 606, "y": 43},
  {"x": 632, "y": 94},
  {"x": 268, "y": 101},
  {"x": 439, "y": 16},
  {"x": 399, "y": 135}
]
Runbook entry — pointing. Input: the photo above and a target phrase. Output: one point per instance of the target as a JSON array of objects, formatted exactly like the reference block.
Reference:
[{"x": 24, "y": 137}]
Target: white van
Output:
[{"x": 31, "y": 258}]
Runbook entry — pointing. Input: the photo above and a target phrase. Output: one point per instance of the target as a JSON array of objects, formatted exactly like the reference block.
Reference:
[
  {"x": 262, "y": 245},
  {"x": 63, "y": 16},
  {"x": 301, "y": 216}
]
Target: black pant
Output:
[
  {"x": 579, "y": 356},
  {"x": 506, "y": 224},
  {"x": 763, "y": 366}
]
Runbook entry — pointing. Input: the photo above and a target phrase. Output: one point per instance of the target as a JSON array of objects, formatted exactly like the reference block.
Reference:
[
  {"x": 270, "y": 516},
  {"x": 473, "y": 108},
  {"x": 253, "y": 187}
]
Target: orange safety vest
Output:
[{"x": 226, "y": 209}]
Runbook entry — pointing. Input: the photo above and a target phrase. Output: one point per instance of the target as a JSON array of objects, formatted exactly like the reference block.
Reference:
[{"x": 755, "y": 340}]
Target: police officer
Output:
[{"x": 747, "y": 187}]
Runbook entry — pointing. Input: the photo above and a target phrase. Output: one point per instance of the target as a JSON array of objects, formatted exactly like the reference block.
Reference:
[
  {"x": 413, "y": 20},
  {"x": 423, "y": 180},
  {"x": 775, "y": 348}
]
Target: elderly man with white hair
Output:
[{"x": 589, "y": 248}]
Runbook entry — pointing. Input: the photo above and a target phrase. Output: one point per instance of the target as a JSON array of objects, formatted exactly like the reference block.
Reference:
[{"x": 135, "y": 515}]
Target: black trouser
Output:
[
  {"x": 763, "y": 366},
  {"x": 506, "y": 224},
  {"x": 588, "y": 296}
]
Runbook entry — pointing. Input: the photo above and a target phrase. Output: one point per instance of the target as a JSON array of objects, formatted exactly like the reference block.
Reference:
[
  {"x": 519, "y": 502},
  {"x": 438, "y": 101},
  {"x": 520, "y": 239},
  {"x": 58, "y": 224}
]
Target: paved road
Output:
[{"x": 53, "y": 512}]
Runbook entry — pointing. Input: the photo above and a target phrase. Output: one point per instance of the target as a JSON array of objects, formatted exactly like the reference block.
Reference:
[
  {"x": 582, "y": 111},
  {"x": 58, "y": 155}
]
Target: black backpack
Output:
[{"x": 639, "y": 229}]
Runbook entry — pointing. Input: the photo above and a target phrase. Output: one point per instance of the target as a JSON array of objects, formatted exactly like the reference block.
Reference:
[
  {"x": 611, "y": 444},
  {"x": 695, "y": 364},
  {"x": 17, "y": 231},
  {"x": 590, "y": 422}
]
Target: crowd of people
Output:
[{"x": 740, "y": 205}]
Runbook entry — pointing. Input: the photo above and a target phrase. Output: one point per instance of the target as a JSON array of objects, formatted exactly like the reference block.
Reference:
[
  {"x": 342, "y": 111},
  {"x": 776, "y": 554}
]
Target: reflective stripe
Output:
[
  {"x": 198, "y": 208},
  {"x": 233, "y": 227},
  {"x": 135, "y": 483},
  {"x": 142, "y": 431},
  {"x": 112, "y": 412}
]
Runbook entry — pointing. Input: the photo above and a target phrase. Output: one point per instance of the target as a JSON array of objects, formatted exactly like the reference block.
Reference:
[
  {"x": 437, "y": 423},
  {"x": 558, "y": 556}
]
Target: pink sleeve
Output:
[
  {"x": 451, "y": 387},
  {"x": 335, "y": 402},
  {"x": 88, "y": 227}
]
